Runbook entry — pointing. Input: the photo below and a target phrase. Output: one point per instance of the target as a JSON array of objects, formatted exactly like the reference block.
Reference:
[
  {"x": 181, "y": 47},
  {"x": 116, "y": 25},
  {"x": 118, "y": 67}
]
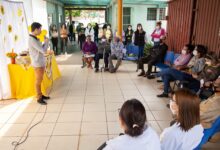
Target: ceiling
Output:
[{"x": 106, "y": 2}]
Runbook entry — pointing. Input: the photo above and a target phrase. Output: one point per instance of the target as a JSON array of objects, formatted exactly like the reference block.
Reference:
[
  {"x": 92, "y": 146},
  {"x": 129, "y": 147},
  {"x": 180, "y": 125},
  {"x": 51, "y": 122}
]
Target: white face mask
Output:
[
  {"x": 157, "y": 27},
  {"x": 108, "y": 27},
  {"x": 195, "y": 52},
  {"x": 89, "y": 27},
  {"x": 171, "y": 107},
  {"x": 103, "y": 40},
  {"x": 184, "y": 52}
]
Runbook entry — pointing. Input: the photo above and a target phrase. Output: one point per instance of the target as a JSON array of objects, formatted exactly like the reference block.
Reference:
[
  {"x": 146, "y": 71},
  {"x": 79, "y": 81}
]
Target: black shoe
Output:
[
  {"x": 45, "y": 97},
  {"x": 151, "y": 77},
  {"x": 41, "y": 101},
  {"x": 163, "y": 95},
  {"x": 168, "y": 106},
  {"x": 159, "y": 81},
  {"x": 141, "y": 74},
  {"x": 106, "y": 69},
  {"x": 96, "y": 70}
]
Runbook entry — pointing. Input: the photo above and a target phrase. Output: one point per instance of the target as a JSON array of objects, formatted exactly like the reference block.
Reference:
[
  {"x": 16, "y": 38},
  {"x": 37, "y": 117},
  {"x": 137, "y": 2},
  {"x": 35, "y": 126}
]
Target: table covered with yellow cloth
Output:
[{"x": 23, "y": 80}]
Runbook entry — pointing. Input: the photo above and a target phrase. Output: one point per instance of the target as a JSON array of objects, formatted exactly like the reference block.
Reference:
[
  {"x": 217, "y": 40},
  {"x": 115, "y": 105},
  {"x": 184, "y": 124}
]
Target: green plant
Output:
[{"x": 147, "y": 48}]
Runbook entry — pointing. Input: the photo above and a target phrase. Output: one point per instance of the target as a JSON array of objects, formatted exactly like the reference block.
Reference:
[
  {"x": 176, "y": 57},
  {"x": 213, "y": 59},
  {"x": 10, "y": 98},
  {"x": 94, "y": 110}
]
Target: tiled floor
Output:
[{"x": 83, "y": 111}]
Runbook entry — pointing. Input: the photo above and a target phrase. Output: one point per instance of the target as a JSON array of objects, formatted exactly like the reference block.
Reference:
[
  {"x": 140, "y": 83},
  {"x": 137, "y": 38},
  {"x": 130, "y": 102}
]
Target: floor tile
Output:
[
  {"x": 162, "y": 115},
  {"x": 48, "y": 118},
  {"x": 94, "y": 128},
  {"x": 96, "y": 140},
  {"x": 94, "y": 107},
  {"x": 21, "y": 118},
  {"x": 72, "y": 107},
  {"x": 42, "y": 129},
  {"x": 67, "y": 129},
  {"x": 63, "y": 143},
  {"x": 94, "y": 117},
  {"x": 13, "y": 129},
  {"x": 70, "y": 117},
  {"x": 114, "y": 128}
]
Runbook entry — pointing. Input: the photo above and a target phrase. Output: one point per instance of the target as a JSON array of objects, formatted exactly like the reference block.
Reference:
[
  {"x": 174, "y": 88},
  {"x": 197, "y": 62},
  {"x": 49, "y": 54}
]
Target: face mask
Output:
[
  {"x": 195, "y": 53},
  {"x": 89, "y": 27},
  {"x": 129, "y": 28},
  {"x": 108, "y": 27},
  {"x": 103, "y": 40},
  {"x": 184, "y": 52},
  {"x": 157, "y": 27},
  {"x": 171, "y": 107}
]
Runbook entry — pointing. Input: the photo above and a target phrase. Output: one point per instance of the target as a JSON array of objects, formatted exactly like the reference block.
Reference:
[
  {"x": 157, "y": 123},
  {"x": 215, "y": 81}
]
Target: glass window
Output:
[
  {"x": 162, "y": 15},
  {"x": 126, "y": 17},
  {"x": 152, "y": 14}
]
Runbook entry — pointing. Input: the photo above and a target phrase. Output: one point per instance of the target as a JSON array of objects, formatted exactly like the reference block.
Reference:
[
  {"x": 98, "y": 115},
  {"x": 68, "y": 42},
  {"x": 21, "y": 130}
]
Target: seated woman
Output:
[
  {"x": 187, "y": 132},
  {"x": 89, "y": 51},
  {"x": 181, "y": 61},
  {"x": 116, "y": 52},
  {"x": 103, "y": 49},
  {"x": 138, "y": 135},
  {"x": 210, "y": 109},
  {"x": 196, "y": 65}
]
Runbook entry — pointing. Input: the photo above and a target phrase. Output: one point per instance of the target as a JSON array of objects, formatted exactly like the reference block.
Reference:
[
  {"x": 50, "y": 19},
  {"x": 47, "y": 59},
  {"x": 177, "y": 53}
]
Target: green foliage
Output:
[
  {"x": 147, "y": 48},
  {"x": 75, "y": 13}
]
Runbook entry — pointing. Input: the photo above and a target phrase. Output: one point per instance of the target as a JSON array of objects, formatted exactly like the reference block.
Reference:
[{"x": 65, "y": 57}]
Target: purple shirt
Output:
[
  {"x": 89, "y": 48},
  {"x": 182, "y": 60}
]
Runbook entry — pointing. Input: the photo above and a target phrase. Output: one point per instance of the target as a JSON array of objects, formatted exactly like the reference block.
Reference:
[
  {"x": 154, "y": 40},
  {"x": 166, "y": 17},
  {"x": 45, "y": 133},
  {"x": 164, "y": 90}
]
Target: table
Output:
[{"x": 23, "y": 80}]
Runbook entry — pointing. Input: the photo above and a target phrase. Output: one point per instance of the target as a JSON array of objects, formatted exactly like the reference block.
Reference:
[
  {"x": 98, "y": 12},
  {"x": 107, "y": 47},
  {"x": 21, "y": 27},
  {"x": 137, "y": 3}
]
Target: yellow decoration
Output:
[
  {"x": 19, "y": 12},
  {"x": 15, "y": 38},
  {"x": 2, "y": 10},
  {"x": 9, "y": 28},
  {"x": 42, "y": 35},
  {"x": 21, "y": 79}
]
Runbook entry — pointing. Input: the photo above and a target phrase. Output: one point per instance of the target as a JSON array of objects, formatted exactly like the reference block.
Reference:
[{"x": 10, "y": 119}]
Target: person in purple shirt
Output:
[{"x": 89, "y": 51}]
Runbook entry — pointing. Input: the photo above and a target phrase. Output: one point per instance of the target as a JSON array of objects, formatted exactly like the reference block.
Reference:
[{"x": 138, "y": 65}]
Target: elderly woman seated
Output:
[
  {"x": 89, "y": 51},
  {"x": 116, "y": 53}
]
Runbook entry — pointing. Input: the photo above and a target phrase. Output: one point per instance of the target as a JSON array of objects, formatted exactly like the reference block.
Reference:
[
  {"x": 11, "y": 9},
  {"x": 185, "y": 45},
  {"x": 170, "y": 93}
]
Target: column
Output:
[{"x": 120, "y": 8}]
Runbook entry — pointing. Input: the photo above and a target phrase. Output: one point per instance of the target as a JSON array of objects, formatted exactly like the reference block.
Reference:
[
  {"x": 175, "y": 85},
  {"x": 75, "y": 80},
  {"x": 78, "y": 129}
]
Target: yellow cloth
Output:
[{"x": 23, "y": 81}]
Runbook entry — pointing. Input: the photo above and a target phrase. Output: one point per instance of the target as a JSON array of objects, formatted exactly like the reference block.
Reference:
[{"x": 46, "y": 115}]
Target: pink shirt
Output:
[
  {"x": 157, "y": 34},
  {"x": 182, "y": 60}
]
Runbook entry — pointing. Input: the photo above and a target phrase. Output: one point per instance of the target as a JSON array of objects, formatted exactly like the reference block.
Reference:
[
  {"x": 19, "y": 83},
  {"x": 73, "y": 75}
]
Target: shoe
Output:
[
  {"x": 163, "y": 95},
  {"x": 168, "y": 106},
  {"x": 41, "y": 101},
  {"x": 150, "y": 76},
  {"x": 45, "y": 97},
  {"x": 96, "y": 70},
  {"x": 141, "y": 74},
  {"x": 106, "y": 69}
]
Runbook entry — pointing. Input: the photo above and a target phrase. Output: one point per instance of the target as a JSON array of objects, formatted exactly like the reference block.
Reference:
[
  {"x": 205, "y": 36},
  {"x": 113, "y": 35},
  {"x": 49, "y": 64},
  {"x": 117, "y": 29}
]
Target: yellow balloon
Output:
[{"x": 42, "y": 35}]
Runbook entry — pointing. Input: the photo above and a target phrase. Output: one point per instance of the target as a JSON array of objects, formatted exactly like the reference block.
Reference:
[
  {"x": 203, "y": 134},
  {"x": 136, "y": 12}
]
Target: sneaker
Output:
[
  {"x": 41, "y": 101},
  {"x": 45, "y": 97},
  {"x": 163, "y": 95},
  {"x": 96, "y": 70}
]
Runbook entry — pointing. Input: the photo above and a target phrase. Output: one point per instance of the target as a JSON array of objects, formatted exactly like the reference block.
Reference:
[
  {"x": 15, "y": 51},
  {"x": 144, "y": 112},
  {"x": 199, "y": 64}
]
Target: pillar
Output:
[
  {"x": 120, "y": 8},
  {"x": 70, "y": 15}
]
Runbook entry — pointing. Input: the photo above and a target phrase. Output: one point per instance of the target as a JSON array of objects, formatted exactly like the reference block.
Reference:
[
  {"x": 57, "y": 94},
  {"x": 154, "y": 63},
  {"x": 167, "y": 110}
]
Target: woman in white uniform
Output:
[
  {"x": 187, "y": 132},
  {"x": 138, "y": 135}
]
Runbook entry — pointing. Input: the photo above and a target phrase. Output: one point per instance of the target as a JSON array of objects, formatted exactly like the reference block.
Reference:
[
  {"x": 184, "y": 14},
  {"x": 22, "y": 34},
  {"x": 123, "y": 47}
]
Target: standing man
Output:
[
  {"x": 37, "y": 59},
  {"x": 71, "y": 31}
]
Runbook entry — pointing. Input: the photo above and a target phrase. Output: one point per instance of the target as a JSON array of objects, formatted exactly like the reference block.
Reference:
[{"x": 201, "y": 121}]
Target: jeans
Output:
[
  {"x": 55, "y": 43},
  {"x": 171, "y": 74},
  {"x": 156, "y": 43},
  {"x": 98, "y": 57},
  {"x": 39, "y": 73},
  {"x": 141, "y": 51}
]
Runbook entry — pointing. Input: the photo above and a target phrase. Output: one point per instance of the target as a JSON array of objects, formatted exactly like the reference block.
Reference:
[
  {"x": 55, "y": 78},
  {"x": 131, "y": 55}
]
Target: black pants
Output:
[
  {"x": 100, "y": 56},
  {"x": 82, "y": 39},
  {"x": 147, "y": 60},
  {"x": 55, "y": 43}
]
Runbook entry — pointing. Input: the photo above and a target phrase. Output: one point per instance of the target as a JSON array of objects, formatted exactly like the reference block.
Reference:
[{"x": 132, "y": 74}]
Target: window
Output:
[
  {"x": 162, "y": 12},
  {"x": 126, "y": 17},
  {"x": 152, "y": 14}
]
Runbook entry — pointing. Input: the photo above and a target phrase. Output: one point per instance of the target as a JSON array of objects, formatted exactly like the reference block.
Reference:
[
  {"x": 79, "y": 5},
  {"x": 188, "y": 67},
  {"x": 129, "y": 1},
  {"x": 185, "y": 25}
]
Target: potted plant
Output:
[{"x": 12, "y": 55}]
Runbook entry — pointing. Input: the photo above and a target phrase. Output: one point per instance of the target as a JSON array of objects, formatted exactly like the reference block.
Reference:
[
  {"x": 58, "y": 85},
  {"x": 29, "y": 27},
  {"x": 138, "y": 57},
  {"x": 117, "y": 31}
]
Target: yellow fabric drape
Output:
[{"x": 23, "y": 81}]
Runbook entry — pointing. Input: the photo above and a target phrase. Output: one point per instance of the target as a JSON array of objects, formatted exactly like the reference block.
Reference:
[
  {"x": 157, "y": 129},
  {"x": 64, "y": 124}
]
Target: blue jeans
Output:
[
  {"x": 171, "y": 74},
  {"x": 141, "y": 51}
]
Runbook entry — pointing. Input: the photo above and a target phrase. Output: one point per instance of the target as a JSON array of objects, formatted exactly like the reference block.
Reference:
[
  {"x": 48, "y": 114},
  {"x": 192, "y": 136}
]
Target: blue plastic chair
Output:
[
  {"x": 134, "y": 50},
  {"x": 208, "y": 133},
  {"x": 169, "y": 57}
]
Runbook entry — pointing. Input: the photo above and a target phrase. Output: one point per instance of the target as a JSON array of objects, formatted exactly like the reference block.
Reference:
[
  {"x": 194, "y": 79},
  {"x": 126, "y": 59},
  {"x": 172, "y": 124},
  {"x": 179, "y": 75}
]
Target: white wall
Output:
[{"x": 138, "y": 15}]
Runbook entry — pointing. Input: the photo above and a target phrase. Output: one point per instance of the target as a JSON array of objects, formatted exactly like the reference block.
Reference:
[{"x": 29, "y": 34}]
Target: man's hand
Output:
[{"x": 50, "y": 52}]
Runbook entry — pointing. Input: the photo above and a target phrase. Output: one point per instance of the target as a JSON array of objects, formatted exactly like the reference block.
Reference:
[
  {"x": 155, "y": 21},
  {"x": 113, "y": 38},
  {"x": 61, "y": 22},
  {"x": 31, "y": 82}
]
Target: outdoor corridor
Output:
[{"x": 83, "y": 110}]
